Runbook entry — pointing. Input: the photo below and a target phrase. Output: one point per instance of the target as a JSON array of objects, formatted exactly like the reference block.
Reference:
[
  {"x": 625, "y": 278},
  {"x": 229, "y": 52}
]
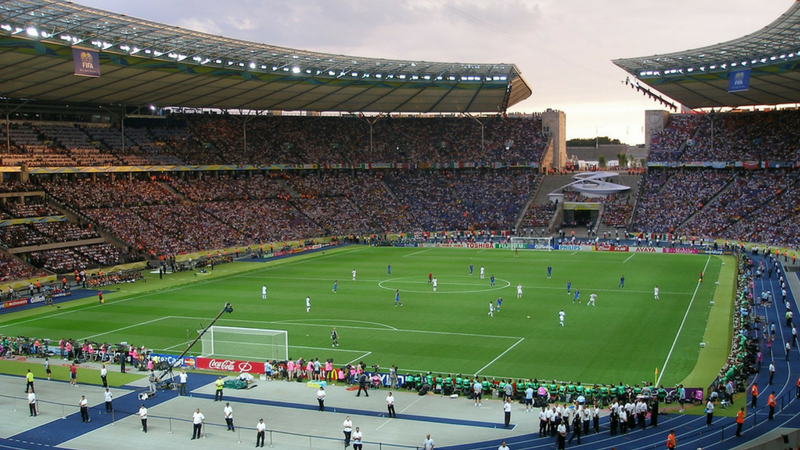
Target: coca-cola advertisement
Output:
[{"x": 229, "y": 365}]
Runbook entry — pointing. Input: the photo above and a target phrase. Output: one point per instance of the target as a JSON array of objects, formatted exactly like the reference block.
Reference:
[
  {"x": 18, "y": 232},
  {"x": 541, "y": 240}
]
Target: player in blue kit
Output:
[
  {"x": 397, "y": 298},
  {"x": 549, "y": 271},
  {"x": 577, "y": 297},
  {"x": 470, "y": 269},
  {"x": 491, "y": 281},
  {"x": 621, "y": 282},
  {"x": 499, "y": 302},
  {"x": 569, "y": 287},
  {"x": 335, "y": 285}
]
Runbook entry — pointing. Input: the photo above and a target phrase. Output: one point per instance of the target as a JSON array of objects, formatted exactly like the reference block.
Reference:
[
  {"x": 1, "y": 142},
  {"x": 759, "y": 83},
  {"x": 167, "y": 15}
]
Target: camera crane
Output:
[{"x": 225, "y": 309}]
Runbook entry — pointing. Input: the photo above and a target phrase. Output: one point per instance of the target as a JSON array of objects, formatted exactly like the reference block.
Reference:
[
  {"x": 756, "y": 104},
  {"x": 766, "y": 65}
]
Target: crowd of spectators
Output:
[
  {"x": 12, "y": 268},
  {"x": 539, "y": 215},
  {"x": 213, "y": 139},
  {"x": 663, "y": 207},
  {"x": 85, "y": 193},
  {"x": 729, "y": 137},
  {"x": 61, "y": 260},
  {"x": 742, "y": 198},
  {"x": 31, "y": 209}
]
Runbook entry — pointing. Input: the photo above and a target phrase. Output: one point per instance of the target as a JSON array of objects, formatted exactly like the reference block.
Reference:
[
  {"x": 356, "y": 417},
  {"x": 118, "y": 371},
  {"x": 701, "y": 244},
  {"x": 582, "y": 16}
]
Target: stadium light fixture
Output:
[
  {"x": 7, "y": 27},
  {"x": 252, "y": 65},
  {"x": 32, "y": 32}
]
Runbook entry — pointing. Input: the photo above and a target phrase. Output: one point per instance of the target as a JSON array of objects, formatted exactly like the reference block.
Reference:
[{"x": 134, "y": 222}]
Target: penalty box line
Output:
[
  {"x": 356, "y": 328},
  {"x": 125, "y": 328},
  {"x": 499, "y": 356}
]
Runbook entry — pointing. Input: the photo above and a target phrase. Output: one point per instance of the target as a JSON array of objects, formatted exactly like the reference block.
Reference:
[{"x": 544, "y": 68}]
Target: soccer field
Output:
[{"x": 623, "y": 338}]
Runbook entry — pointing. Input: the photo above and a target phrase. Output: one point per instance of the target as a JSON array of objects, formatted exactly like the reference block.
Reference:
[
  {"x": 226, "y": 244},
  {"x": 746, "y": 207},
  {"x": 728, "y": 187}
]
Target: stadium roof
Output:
[
  {"x": 148, "y": 63},
  {"x": 699, "y": 78}
]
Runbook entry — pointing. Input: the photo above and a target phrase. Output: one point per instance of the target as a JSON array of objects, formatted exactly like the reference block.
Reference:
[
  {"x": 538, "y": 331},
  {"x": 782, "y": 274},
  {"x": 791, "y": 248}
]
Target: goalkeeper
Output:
[{"x": 334, "y": 337}]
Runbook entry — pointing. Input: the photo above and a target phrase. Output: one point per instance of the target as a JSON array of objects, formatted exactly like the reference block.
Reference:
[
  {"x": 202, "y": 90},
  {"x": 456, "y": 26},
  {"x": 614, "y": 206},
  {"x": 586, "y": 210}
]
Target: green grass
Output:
[
  {"x": 60, "y": 371},
  {"x": 624, "y": 338}
]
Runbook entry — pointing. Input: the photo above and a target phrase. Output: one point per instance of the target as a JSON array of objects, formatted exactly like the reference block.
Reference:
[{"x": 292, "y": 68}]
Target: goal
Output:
[
  {"x": 246, "y": 343},
  {"x": 532, "y": 243}
]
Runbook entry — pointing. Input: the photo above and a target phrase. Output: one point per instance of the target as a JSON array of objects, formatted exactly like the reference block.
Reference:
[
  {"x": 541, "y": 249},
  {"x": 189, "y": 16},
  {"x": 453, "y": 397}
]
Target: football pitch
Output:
[{"x": 624, "y": 338}]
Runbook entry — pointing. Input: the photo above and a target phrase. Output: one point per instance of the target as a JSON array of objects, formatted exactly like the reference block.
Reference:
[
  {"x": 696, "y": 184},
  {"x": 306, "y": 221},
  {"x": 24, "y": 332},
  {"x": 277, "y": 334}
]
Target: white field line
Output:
[
  {"x": 499, "y": 356},
  {"x": 628, "y": 258},
  {"x": 356, "y": 328},
  {"x": 123, "y": 328},
  {"x": 678, "y": 334},
  {"x": 417, "y": 253},
  {"x": 360, "y": 358}
]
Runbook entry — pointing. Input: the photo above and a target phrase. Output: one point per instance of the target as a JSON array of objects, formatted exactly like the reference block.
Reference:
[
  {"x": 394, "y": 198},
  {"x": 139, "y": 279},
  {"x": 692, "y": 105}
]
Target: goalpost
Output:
[
  {"x": 246, "y": 343},
  {"x": 532, "y": 243}
]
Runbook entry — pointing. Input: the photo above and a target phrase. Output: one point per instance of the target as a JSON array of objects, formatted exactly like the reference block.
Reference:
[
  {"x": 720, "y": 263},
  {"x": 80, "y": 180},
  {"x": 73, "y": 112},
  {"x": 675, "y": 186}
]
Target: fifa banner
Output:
[
  {"x": 86, "y": 62},
  {"x": 739, "y": 80}
]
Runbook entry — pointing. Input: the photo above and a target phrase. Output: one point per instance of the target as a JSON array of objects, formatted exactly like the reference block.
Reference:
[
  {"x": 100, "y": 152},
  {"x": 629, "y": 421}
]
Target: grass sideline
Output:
[
  {"x": 622, "y": 339},
  {"x": 60, "y": 372}
]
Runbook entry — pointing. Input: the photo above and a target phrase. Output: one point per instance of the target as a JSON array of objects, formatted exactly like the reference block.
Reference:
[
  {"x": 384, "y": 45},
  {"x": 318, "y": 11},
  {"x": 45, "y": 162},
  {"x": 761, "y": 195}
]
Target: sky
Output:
[{"x": 563, "y": 48}]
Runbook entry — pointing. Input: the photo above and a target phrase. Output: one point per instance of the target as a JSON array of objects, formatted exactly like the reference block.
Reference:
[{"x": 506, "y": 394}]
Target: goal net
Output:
[
  {"x": 532, "y": 243},
  {"x": 246, "y": 343}
]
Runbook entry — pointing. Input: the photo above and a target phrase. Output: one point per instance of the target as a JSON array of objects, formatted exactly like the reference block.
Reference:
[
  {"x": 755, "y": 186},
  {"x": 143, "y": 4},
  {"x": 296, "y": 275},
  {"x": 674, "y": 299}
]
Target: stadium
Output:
[{"x": 176, "y": 202}]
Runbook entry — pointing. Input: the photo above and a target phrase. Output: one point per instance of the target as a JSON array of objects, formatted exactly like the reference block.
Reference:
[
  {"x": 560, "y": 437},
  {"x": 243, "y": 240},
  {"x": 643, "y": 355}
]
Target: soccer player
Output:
[
  {"x": 592, "y": 298},
  {"x": 308, "y": 304},
  {"x": 470, "y": 269},
  {"x": 264, "y": 292},
  {"x": 549, "y": 272},
  {"x": 335, "y": 285},
  {"x": 499, "y": 302},
  {"x": 397, "y": 298},
  {"x": 482, "y": 272},
  {"x": 655, "y": 292},
  {"x": 334, "y": 337},
  {"x": 621, "y": 282},
  {"x": 430, "y": 277},
  {"x": 354, "y": 274},
  {"x": 519, "y": 291},
  {"x": 435, "y": 283},
  {"x": 389, "y": 269},
  {"x": 491, "y": 281},
  {"x": 561, "y": 317},
  {"x": 577, "y": 297},
  {"x": 569, "y": 287},
  {"x": 491, "y": 309}
]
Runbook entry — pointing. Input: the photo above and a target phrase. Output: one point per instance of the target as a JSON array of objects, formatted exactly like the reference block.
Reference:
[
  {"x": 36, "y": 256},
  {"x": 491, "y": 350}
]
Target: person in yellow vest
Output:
[
  {"x": 218, "y": 394},
  {"x": 29, "y": 381}
]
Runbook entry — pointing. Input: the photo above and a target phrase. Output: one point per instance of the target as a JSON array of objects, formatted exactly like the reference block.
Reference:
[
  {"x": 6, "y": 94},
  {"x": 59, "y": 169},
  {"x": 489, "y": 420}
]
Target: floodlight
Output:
[
  {"x": 31, "y": 31},
  {"x": 252, "y": 65},
  {"x": 7, "y": 27}
]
